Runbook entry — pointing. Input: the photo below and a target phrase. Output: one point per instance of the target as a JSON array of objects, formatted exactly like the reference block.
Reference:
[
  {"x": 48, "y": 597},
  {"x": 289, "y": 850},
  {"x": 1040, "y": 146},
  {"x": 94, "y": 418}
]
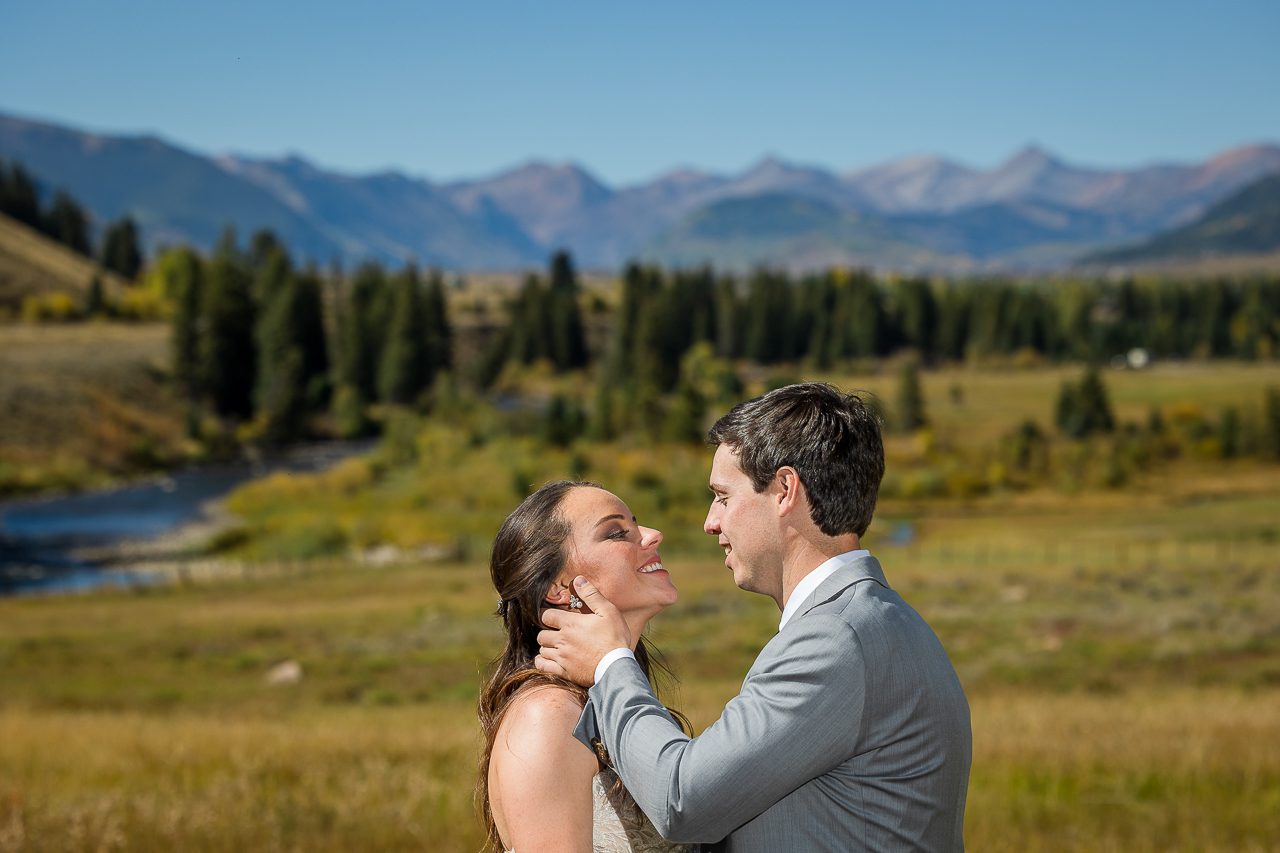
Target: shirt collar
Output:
[{"x": 810, "y": 582}]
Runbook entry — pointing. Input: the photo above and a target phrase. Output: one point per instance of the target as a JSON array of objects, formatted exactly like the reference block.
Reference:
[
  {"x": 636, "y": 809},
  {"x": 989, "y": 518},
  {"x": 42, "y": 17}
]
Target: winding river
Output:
[{"x": 39, "y": 538}]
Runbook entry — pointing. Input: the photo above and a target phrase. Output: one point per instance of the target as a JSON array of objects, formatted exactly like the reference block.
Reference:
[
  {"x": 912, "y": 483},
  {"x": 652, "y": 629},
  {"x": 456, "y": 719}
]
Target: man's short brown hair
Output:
[{"x": 832, "y": 439}]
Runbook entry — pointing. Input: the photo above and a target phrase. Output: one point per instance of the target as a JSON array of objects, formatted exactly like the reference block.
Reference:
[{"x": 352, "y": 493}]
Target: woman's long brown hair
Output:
[{"x": 528, "y": 554}]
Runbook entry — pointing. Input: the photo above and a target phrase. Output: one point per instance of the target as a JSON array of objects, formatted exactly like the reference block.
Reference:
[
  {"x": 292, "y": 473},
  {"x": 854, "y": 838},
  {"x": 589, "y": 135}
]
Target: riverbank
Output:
[{"x": 161, "y": 529}]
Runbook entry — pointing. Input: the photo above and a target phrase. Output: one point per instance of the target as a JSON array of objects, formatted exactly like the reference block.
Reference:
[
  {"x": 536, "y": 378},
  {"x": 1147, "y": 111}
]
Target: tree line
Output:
[
  {"x": 66, "y": 221},
  {"x": 771, "y": 317},
  {"x": 676, "y": 333},
  {"x": 254, "y": 343},
  {"x": 251, "y": 343}
]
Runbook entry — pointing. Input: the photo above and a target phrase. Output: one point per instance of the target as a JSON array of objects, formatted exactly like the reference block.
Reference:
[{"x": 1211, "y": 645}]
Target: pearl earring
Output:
[{"x": 574, "y": 601}]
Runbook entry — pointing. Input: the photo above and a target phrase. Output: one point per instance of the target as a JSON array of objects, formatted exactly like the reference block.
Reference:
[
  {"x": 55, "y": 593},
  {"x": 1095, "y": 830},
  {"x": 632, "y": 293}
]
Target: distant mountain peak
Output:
[
  {"x": 1030, "y": 159},
  {"x": 1030, "y": 204}
]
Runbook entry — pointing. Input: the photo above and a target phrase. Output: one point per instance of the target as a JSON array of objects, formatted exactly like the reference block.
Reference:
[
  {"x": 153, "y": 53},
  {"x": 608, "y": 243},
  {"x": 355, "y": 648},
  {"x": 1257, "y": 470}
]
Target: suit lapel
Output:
[{"x": 853, "y": 572}]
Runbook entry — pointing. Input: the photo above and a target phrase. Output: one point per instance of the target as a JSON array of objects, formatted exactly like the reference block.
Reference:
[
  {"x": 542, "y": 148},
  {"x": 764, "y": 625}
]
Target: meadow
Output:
[
  {"x": 85, "y": 404},
  {"x": 1119, "y": 641}
]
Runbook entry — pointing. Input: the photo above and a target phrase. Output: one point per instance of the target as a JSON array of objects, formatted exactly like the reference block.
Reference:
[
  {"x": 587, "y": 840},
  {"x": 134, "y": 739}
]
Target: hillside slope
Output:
[
  {"x": 787, "y": 231},
  {"x": 31, "y": 263},
  {"x": 84, "y": 404},
  {"x": 1247, "y": 222}
]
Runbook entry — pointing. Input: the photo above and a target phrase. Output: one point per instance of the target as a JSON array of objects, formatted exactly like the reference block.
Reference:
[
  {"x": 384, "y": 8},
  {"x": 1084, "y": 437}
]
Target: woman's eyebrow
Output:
[{"x": 617, "y": 516}]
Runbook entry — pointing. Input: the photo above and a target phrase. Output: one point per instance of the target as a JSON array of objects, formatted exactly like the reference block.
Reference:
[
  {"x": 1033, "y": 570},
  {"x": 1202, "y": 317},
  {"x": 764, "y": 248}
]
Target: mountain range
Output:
[
  {"x": 1245, "y": 223},
  {"x": 920, "y": 213}
]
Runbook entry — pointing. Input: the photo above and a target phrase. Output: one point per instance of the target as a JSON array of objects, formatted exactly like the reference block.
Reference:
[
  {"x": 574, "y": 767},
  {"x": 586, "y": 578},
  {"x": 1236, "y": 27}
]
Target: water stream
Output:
[{"x": 39, "y": 537}]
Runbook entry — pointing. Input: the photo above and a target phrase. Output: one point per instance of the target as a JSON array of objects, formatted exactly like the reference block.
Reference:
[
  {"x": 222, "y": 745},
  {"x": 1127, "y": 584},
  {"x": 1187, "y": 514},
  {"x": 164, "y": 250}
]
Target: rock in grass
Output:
[{"x": 285, "y": 672}]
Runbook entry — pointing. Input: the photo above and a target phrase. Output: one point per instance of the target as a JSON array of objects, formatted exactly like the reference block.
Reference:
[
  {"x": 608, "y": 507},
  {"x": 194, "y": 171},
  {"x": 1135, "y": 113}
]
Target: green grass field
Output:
[
  {"x": 1120, "y": 646},
  {"x": 1124, "y": 697}
]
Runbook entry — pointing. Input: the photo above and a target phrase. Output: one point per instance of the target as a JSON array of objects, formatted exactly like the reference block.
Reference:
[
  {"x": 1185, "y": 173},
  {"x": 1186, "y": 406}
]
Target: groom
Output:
[{"x": 851, "y": 731}]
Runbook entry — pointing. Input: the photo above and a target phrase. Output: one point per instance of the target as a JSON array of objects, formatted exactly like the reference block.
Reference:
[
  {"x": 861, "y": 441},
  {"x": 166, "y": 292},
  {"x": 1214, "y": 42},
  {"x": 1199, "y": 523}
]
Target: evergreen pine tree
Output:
[
  {"x": 568, "y": 346},
  {"x": 95, "y": 301},
  {"x": 308, "y": 325},
  {"x": 404, "y": 372},
  {"x": 183, "y": 274},
  {"x": 227, "y": 352},
  {"x": 684, "y": 418},
  {"x": 628, "y": 358},
  {"x": 364, "y": 331},
  {"x": 911, "y": 413},
  {"x": 918, "y": 316},
  {"x": 1155, "y": 421},
  {"x": 262, "y": 246},
  {"x": 953, "y": 323},
  {"x": 271, "y": 274},
  {"x": 1083, "y": 409},
  {"x": 439, "y": 330},
  {"x": 1065, "y": 410},
  {"x": 272, "y": 335},
  {"x": 349, "y": 413},
  {"x": 865, "y": 318},
  {"x": 815, "y": 322},
  {"x": 1229, "y": 433},
  {"x": 67, "y": 223},
  {"x": 493, "y": 357},
  {"x": 293, "y": 361},
  {"x": 1271, "y": 424},
  {"x": 1092, "y": 403},
  {"x": 21, "y": 199},
  {"x": 600, "y": 426},
  {"x": 728, "y": 318},
  {"x": 120, "y": 252},
  {"x": 531, "y": 322},
  {"x": 1028, "y": 443},
  {"x": 770, "y": 335},
  {"x": 562, "y": 422}
]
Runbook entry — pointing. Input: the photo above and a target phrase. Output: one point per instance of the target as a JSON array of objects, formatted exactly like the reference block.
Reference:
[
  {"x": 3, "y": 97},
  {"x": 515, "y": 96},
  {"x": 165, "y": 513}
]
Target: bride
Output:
[{"x": 540, "y": 788}]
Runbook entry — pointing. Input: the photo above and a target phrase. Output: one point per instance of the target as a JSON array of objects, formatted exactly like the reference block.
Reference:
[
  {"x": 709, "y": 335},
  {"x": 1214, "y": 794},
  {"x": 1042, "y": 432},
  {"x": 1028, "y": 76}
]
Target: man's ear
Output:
[{"x": 790, "y": 489}]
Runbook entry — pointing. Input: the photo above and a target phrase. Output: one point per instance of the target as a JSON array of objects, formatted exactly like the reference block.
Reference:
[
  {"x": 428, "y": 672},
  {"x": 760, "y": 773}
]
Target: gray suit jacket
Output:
[{"x": 851, "y": 733}]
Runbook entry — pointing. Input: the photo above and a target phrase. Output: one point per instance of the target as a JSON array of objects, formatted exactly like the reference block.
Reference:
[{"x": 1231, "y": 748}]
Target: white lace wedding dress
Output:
[{"x": 618, "y": 825}]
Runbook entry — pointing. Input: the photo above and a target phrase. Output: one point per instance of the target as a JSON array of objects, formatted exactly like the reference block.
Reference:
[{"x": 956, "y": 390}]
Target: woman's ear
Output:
[{"x": 558, "y": 594}]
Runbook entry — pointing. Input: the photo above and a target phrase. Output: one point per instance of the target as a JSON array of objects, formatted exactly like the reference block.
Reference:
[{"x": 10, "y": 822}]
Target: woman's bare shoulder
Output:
[
  {"x": 535, "y": 743},
  {"x": 543, "y": 711},
  {"x": 540, "y": 775}
]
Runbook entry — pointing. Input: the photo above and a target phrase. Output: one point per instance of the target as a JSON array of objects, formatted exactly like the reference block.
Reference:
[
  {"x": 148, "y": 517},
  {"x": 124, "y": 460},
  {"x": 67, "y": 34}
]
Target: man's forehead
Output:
[{"x": 725, "y": 465}]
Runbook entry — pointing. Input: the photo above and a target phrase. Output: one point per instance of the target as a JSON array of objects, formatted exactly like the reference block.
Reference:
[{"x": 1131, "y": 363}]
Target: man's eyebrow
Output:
[
  {"x": 617, "y": 515},
  {"x": 717, "y": 488}
]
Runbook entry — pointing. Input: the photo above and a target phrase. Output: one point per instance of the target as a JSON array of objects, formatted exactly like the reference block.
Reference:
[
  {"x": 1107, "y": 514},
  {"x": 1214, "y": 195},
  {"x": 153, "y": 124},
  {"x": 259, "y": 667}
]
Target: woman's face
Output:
[{"x": 615, "y": 553}]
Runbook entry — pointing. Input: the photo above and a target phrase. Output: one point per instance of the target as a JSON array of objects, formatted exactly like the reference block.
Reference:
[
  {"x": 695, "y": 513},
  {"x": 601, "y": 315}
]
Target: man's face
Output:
[{"x": 746, "y": 524}]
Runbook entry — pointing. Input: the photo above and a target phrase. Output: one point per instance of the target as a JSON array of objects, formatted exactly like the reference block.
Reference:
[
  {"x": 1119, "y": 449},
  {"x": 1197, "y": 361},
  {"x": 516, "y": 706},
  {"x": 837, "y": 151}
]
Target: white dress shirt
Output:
[
  {"x": 803, "y": 590},
  {"x": 813, "y": 580}
]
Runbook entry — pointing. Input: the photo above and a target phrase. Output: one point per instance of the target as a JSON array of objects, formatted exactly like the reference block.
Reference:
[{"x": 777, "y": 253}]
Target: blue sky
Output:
[{"x": 633, "y": 90}]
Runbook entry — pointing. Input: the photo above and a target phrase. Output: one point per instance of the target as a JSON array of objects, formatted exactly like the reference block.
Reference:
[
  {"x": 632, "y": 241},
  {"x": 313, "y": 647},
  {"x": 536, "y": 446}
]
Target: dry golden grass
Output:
[
  {"x": 32, "y": 264},
  {"x": 351, "y": 779},
  {"x": 1148, "y": 771},
  {"x": 1121, "y": 648},
  {"x": 1151, "y": 771},
  {"x": 82, "y": 403},
  {"x": 1124, "y": 698}
]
